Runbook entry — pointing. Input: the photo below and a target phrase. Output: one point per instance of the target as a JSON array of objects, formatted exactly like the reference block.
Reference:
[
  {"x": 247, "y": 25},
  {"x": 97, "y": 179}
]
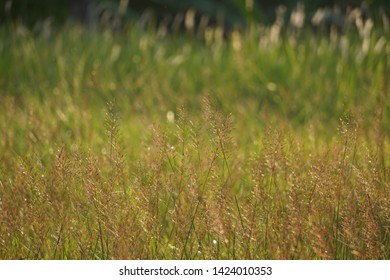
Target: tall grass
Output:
[{"x": 144, "y": 146}]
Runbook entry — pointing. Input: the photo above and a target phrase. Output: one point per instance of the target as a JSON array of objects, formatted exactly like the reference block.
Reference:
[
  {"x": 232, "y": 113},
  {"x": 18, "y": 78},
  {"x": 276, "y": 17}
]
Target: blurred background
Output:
[{"x": 230, "y": 13}]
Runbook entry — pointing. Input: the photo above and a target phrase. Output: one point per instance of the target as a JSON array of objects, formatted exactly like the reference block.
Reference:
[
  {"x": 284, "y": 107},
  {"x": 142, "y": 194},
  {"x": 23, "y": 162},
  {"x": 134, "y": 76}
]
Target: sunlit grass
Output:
[{"x": 139, "y": 145}]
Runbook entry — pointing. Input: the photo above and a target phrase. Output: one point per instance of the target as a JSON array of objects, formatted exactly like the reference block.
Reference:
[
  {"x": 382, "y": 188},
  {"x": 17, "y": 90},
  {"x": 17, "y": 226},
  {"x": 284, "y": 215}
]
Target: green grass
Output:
[{"x": 279, "y": 149}]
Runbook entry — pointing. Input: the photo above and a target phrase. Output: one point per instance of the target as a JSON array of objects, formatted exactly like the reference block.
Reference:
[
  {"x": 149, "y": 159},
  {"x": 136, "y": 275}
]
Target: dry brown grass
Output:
[{"x": 191, "y": 194}]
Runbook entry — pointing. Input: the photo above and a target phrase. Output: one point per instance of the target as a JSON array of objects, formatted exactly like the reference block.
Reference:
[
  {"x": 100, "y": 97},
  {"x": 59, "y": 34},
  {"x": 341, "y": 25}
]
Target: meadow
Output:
[{"x": 268, "y": 143}]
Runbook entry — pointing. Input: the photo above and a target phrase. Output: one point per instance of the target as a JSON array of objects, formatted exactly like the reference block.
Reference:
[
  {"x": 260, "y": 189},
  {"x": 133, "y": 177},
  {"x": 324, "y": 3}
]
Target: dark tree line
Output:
[{"x": 231, "y": 11}]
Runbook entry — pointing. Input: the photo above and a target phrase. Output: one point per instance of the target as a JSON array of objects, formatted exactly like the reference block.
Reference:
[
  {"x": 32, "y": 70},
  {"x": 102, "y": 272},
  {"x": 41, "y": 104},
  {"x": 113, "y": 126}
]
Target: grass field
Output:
[{"x": 140, "y": 145}]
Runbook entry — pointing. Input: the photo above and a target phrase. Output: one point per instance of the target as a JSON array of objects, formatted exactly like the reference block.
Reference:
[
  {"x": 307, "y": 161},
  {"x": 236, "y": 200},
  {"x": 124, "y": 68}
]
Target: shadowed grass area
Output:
[{"x": 141, "y": 145}]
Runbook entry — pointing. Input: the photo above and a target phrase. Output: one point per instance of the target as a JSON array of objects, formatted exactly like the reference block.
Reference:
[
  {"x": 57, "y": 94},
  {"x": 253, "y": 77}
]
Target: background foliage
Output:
[{"x": 234, "y": 12}]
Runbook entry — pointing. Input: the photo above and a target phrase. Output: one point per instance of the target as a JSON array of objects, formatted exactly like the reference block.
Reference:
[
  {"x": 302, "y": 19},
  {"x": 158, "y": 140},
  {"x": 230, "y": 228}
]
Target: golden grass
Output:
[{"x": 191, "y": 194}]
